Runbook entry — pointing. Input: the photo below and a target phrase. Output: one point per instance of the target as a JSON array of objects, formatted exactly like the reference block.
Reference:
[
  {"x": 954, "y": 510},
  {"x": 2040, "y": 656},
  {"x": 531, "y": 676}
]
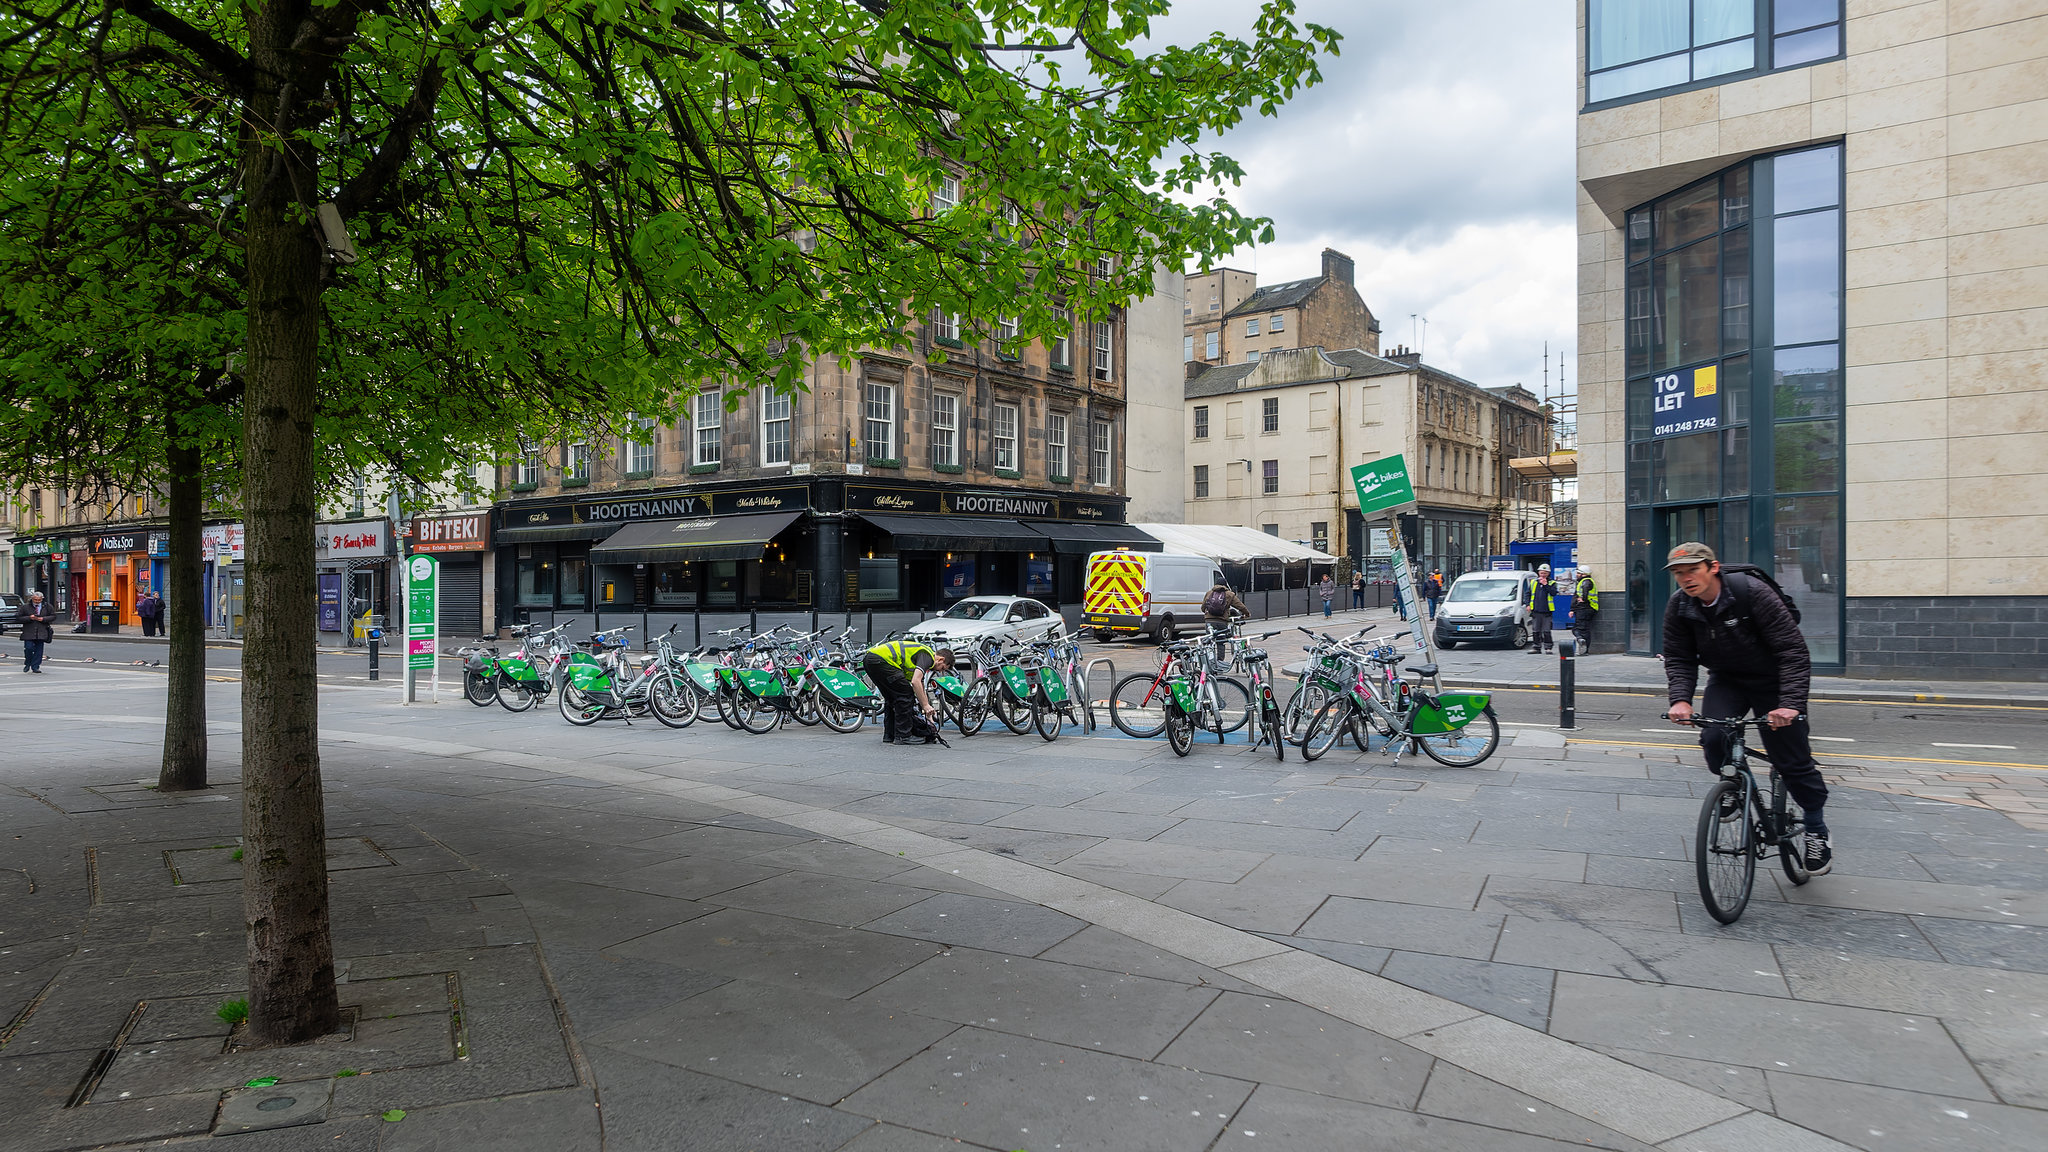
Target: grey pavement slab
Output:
[
  {"x": 890, "y": 1138},
  {"x": 1510, "y": 991},
  {"x": 1927, "y": 898},
  {"x": 1581, "y": 903},
  {"x": 1359, "y": 956},
  {"x": 1597, "y": 949},
  {"x": 1268, "y": 838},
  {"x": 1885, "y": 1048},
  {"x": 1734, "y": 1082},
  {"x": 845, "y": 902},
  {"x": 1848, "y": 930},
  {"x": 1017, "y": 927},
  {"x": 780, "y": 950},
  {"x": 1011, "y": 1092},
  {"x": 1084, "y": 822},
  {"x": 832, "y": 858},
  {"x": 1188, "y": 862},
  {"x": 1251, "y": 905},
  {"x": 1456, "y": 1094},
  {"x": 1397, "y": 852},
  {"x": 813, "y": 1047},
  {"x": 1892, "y": 1120},
  {"x": 561, "y": 1121},
  {"x": 1047, "y": 1000},
  {"x": 600, "y": 914},
  {"x": 1111, "y": 951},
  {"x": 653, "y": 1107},
  {"x": 2023, "y": 947},
  {"x": 1375, "y": 878},
  {"x": 1412, "y": 927},
  {"x": 1289, "y": 809},
  {"x": 694, "y": 877},
  {"x": 1141, "y": 884},
  {"x": 1272, "y": 1040},
  {"x": 1278, "y": 1117},
  {"x": 602, "y": 989}
]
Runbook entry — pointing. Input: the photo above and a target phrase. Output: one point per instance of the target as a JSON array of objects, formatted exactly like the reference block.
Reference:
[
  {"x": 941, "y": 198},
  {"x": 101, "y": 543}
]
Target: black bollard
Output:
[
  {"x": 1567, "y": 687},
  {"x": 373, "y": 653}
]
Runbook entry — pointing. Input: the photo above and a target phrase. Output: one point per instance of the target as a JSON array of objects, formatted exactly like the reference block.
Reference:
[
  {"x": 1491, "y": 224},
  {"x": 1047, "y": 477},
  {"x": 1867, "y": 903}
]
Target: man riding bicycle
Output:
[
  {"x": 1738, "y": 628},
  {"x": 902, "y": 669}
]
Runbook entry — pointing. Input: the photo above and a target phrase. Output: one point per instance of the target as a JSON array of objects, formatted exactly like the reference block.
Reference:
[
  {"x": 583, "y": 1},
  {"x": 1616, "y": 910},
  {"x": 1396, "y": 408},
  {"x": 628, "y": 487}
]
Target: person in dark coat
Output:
[
  {"x": 1542, "y": 606},
  {"x": 35, "y": 623},
  {"x": 149, "y": 608},
  {"x": 1737, "y": 628},
  {"x": 902, "y": 670}
]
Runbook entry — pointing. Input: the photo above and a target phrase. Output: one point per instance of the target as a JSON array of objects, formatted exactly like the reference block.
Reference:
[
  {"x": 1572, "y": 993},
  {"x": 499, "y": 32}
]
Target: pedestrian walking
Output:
[
  {"x": 1328, "y": 591},
  {"x": 149, "y": 607},
  {"x": 1219, "y": 603},
  {"x": 902, "y": 669},
  {"x": 1585, "y": 609},
  {"x": 1433, "y": 590},
  {"x": 35, "y": 632},
  {"x": 1738, "y": 626},
  {"x": 1542, "y": 604},
  {"x": 1358, "y": 589}
]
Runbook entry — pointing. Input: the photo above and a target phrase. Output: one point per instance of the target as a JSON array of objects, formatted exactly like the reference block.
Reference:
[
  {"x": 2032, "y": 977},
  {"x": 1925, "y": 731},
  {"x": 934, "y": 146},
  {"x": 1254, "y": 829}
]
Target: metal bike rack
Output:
[{"x": 1088, "y": 674}]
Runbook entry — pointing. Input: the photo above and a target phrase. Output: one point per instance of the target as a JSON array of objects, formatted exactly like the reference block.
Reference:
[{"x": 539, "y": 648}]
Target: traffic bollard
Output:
[
  {"x": 1567, "y": 686},
  {"x": 374, "y": 636}
]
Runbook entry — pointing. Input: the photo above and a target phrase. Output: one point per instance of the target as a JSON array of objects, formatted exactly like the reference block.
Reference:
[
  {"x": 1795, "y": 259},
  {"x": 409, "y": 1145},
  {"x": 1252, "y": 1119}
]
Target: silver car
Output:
[{"x": 978, "y": 618}]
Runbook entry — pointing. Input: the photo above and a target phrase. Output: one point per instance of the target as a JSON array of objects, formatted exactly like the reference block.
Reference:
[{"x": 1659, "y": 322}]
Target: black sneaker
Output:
[
  {"x": 1820, "y": 856},
  {"x": 1731, "y": 805}
]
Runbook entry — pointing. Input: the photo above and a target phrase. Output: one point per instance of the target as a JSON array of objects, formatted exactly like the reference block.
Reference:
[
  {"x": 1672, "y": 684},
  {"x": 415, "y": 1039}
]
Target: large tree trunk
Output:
[
  {"x": 284, "y": 885},
  {"x": 184, "y": 767}
]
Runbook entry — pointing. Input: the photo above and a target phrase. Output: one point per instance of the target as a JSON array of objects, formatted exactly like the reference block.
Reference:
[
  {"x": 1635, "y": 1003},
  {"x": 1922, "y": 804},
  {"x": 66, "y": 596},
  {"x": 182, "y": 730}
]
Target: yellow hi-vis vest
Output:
[{"x": 901, "y": 654}]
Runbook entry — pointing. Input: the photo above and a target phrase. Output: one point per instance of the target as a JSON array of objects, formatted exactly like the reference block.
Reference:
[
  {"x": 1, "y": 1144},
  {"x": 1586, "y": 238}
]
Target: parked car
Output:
[
  {"x": 979, "y": 617},
  {"x": 11, "y": 608},
  {"x": 1146, "y": 593},
  {"x": 1485, "y": 608}
]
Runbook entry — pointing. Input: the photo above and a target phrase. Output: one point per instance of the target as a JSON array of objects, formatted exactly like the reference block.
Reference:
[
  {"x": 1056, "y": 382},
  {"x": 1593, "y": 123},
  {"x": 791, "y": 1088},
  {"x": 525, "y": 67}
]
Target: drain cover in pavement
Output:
[{"x": 279, "y": 1106}]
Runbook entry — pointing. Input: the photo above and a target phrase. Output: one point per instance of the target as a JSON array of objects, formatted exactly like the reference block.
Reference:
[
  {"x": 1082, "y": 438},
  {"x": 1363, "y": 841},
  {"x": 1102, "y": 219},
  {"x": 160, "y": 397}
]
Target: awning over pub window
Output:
[
  {"x": 1083, "y": 538},
  {"x": 700, "y": 538},
  {"x": 554, "y": 533},
  {"x": 957, "y": 534}
]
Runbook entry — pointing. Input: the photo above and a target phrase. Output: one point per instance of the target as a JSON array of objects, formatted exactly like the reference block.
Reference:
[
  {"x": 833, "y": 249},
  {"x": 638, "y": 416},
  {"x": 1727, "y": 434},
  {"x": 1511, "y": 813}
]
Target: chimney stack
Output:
[
  {"x": 1336, "y": 266},
  {"x": 1401, "y": 355}
]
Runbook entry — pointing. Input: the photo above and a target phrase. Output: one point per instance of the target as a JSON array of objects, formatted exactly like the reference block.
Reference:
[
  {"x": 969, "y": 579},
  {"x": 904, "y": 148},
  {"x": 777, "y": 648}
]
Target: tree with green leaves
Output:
[{"x": 445, "y": 223}]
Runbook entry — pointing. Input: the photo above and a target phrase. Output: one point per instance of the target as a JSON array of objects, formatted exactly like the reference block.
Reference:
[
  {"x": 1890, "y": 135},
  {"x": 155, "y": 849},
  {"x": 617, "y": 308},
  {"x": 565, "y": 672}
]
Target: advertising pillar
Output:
[{"x": 422, "y": 622}]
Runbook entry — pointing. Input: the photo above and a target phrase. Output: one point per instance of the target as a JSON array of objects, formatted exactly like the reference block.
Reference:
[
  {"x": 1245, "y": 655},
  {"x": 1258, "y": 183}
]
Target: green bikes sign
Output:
[
  {"x": 1382, "y": 484},
  {"x": 422, "y": 612}
]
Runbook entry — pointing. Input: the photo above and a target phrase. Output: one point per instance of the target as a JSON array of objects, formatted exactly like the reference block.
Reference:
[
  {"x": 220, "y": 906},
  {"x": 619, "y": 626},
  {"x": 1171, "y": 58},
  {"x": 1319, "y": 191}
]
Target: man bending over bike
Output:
[
  {"x": 901, "y": 669},
  {"x": 1736, "y": 627}
]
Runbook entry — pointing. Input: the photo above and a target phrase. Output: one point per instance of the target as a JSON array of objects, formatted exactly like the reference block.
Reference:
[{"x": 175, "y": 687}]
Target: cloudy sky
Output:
[{"x": 1438, "y": 153}]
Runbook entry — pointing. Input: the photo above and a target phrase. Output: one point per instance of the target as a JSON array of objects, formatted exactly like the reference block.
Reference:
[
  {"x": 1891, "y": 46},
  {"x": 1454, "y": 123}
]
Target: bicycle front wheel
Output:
[
  {"x": 970, "y": 712},
  {"x": 755, "y": 715},
  {"x": 1302, "y": 706},
  {"x": 1468, "y": 745},
  {"x": 673, "y": 699},
  {"x": 579, "y": 707},
  {"x": 1725, "y": 851},
  {"x": 837, "y": 715},
  {"x": 1269, "y": 717},
  {"x": 514, "y": 696},
  {"x": 1137, "y": 705},
  {"x": 1332, "y": 720}
]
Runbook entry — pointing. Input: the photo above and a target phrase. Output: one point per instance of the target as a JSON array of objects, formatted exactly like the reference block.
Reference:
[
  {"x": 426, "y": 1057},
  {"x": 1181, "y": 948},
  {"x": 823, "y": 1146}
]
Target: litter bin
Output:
[{"x": 105, "y": 616}]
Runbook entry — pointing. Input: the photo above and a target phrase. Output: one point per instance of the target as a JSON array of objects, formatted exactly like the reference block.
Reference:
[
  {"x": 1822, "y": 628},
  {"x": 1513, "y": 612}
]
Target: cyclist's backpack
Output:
[
  {"x": 1216, "y": 603},
  {"x": 1763, "y": 577}
]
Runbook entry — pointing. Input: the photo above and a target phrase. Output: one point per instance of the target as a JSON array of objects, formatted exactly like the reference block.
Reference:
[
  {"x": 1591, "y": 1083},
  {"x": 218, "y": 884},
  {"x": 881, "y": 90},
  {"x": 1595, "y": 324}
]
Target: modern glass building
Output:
[{"x": 1814, "y": 303}]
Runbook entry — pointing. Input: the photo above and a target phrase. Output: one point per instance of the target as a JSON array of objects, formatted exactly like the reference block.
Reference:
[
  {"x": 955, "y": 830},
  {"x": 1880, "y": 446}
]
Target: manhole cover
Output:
[{"x": 277, "y": 1103}]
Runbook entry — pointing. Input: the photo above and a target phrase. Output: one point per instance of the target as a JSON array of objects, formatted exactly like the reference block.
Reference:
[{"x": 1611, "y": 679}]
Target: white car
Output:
[{"x": 979, "y": 617}]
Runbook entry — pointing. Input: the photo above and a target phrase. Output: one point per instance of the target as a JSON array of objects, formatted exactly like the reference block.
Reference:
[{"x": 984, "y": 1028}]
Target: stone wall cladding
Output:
[{"x": 1948, "y": 637}]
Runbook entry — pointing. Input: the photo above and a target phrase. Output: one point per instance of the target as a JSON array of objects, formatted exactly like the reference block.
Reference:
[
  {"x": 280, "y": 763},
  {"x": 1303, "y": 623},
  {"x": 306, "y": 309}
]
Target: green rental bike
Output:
[{"x": 1456, "y": 729}]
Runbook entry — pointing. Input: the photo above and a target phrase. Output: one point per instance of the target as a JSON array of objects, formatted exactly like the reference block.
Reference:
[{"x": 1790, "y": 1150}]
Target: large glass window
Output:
[
  {"x": 1056, "y": 445},
  {"x": 1733, "y": 329},
  {"x": 1105, "y": 351},
  {"x": 1640, "y": 46},
  {"x": 1101, "y": 453},
  {"x": 710, "y": 418}
]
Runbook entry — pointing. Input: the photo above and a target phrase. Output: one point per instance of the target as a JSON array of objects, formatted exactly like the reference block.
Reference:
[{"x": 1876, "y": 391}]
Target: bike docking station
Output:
[
  {"x": 422, "y": 622},
  {"x": 1567, "y": 683},
  {"x": 1385, "y": 494}
]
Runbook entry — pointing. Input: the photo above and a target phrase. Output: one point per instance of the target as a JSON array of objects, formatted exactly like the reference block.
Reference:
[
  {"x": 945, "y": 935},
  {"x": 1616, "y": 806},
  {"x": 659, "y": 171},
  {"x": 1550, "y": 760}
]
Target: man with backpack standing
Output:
[{"x": 1736, "y": 622}]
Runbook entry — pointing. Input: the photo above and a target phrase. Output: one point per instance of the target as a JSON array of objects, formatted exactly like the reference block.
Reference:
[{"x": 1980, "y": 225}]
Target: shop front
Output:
[
  {"x": 44, "y": 565},
  {"x": 462, "y": 544},
  {"x": 222, "y": 580},
  {"x": 351, "y": 559},
  {"x": 828, "y": 543},
  {"x": 120, "y": 570}
]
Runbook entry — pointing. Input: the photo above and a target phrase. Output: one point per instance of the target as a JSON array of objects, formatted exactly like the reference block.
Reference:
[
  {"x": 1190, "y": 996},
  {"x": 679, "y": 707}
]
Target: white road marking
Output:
[
  {"x": 1835, "y": 739},
  {"x": 1995, "y": 747}
]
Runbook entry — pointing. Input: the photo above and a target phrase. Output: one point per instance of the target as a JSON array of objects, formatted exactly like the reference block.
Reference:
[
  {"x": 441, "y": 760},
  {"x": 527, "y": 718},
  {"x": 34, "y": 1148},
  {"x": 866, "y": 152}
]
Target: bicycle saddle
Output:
[{"x": 1422, "y": 669}]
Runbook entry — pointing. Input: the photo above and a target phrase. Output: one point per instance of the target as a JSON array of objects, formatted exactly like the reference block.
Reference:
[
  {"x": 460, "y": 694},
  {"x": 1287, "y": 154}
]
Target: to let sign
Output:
[
  {"x": 1382, "y": 484},
  {"x": 1684, "y": 402}
]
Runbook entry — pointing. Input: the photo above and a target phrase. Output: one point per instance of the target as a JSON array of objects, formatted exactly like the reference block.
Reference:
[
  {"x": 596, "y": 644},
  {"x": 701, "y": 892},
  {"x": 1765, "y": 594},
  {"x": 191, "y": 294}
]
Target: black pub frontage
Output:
[{"x": 829, "y": 544}]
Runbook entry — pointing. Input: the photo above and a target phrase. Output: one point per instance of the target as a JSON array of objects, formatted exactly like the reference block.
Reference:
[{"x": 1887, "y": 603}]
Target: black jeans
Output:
[
  {"x": 1539, "y": 631},
  {"x": 1790, "y": 752},
  {"x": 1582, "y": 627},
  {"x": 899, "y": 699}
]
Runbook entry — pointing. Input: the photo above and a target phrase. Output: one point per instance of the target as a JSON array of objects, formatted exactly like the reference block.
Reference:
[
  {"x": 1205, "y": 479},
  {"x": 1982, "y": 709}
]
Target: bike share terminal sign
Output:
[
  {"x": 1382, "y": 485},
  {"x": 422, "y": 617},
  {"x": 1687, "y": 401}
]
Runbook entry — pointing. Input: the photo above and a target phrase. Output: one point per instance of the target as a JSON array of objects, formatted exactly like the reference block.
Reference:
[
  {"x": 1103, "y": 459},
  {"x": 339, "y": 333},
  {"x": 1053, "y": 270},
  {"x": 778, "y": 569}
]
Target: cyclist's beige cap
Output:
[{"x": 1691, "y": 552}]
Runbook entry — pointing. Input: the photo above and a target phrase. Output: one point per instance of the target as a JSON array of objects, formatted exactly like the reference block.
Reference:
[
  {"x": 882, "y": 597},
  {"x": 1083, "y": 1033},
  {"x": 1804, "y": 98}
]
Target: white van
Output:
[
  {"x": 1146, "y": 593},
  {"x": 1485, "y": 608}
]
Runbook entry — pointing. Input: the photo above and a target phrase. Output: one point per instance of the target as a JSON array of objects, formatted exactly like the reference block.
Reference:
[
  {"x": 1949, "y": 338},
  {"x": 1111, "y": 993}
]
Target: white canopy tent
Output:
[{"x": 1231, "y": 543}]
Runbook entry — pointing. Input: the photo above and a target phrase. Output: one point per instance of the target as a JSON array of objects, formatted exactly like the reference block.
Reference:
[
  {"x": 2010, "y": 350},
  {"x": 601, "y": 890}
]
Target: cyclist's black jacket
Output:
[{"x": 1747, "y": 634}]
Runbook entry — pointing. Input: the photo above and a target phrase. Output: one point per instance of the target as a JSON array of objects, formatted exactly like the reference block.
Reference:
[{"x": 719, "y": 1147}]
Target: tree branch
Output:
[{"x": 232, "y": 65}]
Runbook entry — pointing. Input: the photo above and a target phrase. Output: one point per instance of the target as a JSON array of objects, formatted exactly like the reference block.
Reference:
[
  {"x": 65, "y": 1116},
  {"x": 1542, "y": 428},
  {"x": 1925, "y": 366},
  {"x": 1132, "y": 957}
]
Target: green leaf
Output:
[{"x": 395, "y": 1115}]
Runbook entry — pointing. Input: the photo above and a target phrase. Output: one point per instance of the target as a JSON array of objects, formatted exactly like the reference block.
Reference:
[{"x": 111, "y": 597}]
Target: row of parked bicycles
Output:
[{"x": 1350, "y": 688}]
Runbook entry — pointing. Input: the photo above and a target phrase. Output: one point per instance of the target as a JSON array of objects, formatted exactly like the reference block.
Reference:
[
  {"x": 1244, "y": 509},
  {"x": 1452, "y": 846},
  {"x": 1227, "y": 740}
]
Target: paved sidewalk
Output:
[{"x": 628, "y": 938}]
